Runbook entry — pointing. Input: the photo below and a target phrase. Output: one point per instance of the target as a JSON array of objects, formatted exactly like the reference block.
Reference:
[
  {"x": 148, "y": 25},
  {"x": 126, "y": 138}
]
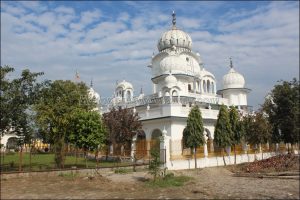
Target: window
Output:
[
  {"x": 174, "y": 93},
  {"x": 204, "y": 86},
  {"x": 208, "y": 86},
  {"x": 187, "y": 59},
  {"x": 189, "y": 87}
]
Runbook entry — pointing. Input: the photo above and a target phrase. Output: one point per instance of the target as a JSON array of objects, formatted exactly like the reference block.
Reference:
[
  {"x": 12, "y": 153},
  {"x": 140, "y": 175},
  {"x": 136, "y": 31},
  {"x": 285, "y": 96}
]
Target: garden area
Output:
[{"x": 46, "y": 162}]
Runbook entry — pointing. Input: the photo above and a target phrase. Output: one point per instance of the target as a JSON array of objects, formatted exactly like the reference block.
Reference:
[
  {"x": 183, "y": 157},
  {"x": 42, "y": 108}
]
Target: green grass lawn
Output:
[{"x": 45, "y": 161}]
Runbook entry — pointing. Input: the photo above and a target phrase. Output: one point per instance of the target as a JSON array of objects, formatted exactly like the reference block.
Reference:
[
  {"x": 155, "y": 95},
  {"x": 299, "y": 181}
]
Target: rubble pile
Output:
[{"x": 276, "y": 163}]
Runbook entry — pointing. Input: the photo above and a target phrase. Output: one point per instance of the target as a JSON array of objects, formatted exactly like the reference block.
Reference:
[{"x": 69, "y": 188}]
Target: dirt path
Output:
[{"x": 207, "y": 183}]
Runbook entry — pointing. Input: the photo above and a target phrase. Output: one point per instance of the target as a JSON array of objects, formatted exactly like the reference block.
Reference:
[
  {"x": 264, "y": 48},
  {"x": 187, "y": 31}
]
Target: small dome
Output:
[
  {"x": 93, "y": 94},
  {"x": 206, "y": 73},
  {"x": 125, "y": 85},
  {"x": 170, "y": 81},
  {"x": 174, "y": 37},
  {"x": 233, "y": 79}
]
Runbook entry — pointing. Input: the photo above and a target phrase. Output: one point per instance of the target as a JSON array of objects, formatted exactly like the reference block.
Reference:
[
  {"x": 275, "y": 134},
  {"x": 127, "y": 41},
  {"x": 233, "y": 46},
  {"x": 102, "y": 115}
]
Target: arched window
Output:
[
  {"x": 208, "y": 86},
  {"x": 212, "y": 87},
  {"x": 189, "y": 87},
  {"x": 128, "y": 96},
  {"x": 167, "y": 94},
  {"x": 174, "y": 93},
  {"x": 204, "y": 86}
]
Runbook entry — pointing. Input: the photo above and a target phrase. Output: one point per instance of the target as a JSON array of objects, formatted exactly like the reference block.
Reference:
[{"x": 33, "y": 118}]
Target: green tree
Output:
[
  {"x": 258, "y": 129},
  {"x": 223, "y": 133},
  {"x": 18, "y": 96},
  {"x": 282, "y": 108},
  {"x": 5, "y": 99},
  {"x": 87, "y": 131},
  {"x": 122, "y": 125},
  {"x": 54, "y": 112},
  {"x": 193, "y": 132},
  {"x": 154, "y": 165},
  {"x": 236, "y": 129}
]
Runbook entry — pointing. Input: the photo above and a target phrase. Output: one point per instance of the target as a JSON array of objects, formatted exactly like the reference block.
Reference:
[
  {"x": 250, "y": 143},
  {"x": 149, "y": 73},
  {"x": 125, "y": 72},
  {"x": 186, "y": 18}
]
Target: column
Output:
[
  {"x": 165, "y": 144},
  {"x": 205, "y": 146},
  {"x": 133, "y": 148}
]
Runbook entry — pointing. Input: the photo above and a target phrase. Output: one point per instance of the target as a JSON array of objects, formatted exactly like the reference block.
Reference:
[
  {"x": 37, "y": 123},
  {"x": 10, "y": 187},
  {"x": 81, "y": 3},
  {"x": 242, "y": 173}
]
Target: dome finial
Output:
[
  {"x": 174, "y": 19},
  {"x": 231, "y": 65},
  {"x": 91, "y": 82}
]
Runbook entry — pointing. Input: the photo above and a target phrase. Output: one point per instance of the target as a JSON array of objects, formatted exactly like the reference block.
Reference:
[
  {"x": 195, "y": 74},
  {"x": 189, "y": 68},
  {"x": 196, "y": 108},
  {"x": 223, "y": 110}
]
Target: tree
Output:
[
  {"x": 193, "y": 132},
  {"x": 154, "y": 165},
  {"x": 236, "y": 129},
  {"x": 17, "y": 98},
  {"x": 87, "y": 131},
  {"x": 122, "y": 125},
  {"x": 5, "y": 99},
  {"x": 55, "y": 110},
  {"x": 223, "y": 133},
  {"x": 258, "y": 129},
  {"x": 282, "y": 108}
]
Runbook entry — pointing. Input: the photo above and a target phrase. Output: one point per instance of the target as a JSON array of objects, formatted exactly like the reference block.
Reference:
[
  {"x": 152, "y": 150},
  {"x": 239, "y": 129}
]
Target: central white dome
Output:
[
  {"x": 170, "y": 81},
  {"x": 174, "y": 37},
  {"x": 171, "y": 63}
]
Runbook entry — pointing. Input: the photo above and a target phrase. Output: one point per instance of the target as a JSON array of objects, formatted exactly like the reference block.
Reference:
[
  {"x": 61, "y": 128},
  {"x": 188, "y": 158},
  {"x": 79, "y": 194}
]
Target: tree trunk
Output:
[
  {"x": 76, "y": 156},
  {"x": 97, "y": 159},
  {"x": 234, "y": 154},
  {"x": 30, "y": 154},
  {"x": 223, "y": 149},
  {"x": 21, "y": 159},
  {"x": 86, "y": 164},
  {"x": 195, "y": 156}
]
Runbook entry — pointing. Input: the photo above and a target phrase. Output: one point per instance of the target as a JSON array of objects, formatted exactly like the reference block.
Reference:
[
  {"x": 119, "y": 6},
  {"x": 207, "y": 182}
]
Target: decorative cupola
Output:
[{"x": 234, "y": 88}]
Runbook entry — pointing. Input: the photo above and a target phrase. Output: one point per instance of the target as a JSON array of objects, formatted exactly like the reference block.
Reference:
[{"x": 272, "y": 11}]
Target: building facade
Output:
[{"x": 180, "y": 81}]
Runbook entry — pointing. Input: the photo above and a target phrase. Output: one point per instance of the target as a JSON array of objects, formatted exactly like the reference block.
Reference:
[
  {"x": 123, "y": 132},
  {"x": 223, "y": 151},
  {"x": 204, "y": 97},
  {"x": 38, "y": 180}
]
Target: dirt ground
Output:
[{"x": 217, "y": 182}]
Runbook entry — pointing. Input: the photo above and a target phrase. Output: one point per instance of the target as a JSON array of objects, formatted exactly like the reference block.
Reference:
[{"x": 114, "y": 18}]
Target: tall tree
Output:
[
  {"x": 87, "y": 131},
  {"x": 282, "y": 108},
  {"x": 258, "y": 129},
  {"x": 236, "y": 129},
  {"x": 55, "y": 109},
  {"x": 223, "y": 133},
  {"x": 122, "y": 125},
  {"x": 5, "y": 99},
  {"x": 193, "y": 132},
  {"x": 18, "y": 96}
]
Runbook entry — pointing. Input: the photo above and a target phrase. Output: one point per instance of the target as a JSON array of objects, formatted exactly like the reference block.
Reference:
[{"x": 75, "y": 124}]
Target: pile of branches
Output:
[{"x": 276, "y": 163}]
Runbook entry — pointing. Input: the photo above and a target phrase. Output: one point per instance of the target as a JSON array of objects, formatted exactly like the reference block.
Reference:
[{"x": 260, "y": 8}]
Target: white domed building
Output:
[{"x": 180, "y": 81}]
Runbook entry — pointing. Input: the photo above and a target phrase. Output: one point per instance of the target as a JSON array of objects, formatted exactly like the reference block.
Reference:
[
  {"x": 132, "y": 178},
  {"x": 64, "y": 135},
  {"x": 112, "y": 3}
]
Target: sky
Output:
[{"x": 109, "y": 41}]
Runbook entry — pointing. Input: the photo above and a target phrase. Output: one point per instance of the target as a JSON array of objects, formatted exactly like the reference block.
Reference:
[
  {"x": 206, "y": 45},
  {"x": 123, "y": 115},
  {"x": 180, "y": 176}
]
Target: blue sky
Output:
[{"x": 114, "y": 40}]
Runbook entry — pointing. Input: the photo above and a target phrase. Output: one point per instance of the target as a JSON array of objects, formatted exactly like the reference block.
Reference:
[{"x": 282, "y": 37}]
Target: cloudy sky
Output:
[{"x": 112, "y": 41}]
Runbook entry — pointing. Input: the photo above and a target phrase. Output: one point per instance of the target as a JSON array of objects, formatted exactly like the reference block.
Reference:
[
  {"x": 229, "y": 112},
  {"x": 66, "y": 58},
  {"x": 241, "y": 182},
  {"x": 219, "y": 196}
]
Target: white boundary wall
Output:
[{"x": 215, "y": 161}]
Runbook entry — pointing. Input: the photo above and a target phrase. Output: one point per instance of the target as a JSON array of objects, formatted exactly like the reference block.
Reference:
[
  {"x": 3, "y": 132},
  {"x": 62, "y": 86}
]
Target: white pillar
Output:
[
  {"x": 205, "y": 146},
  {"x": 165, "y": 144},
  {"x": 133, "y": 148}
]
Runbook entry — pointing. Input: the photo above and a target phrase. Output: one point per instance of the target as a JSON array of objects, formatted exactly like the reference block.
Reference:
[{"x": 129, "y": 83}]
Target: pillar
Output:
[
  {"x": 205, "y": 146},
  {"x": 133, "y": 148},
  {"x": 165, "y": 144}
]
